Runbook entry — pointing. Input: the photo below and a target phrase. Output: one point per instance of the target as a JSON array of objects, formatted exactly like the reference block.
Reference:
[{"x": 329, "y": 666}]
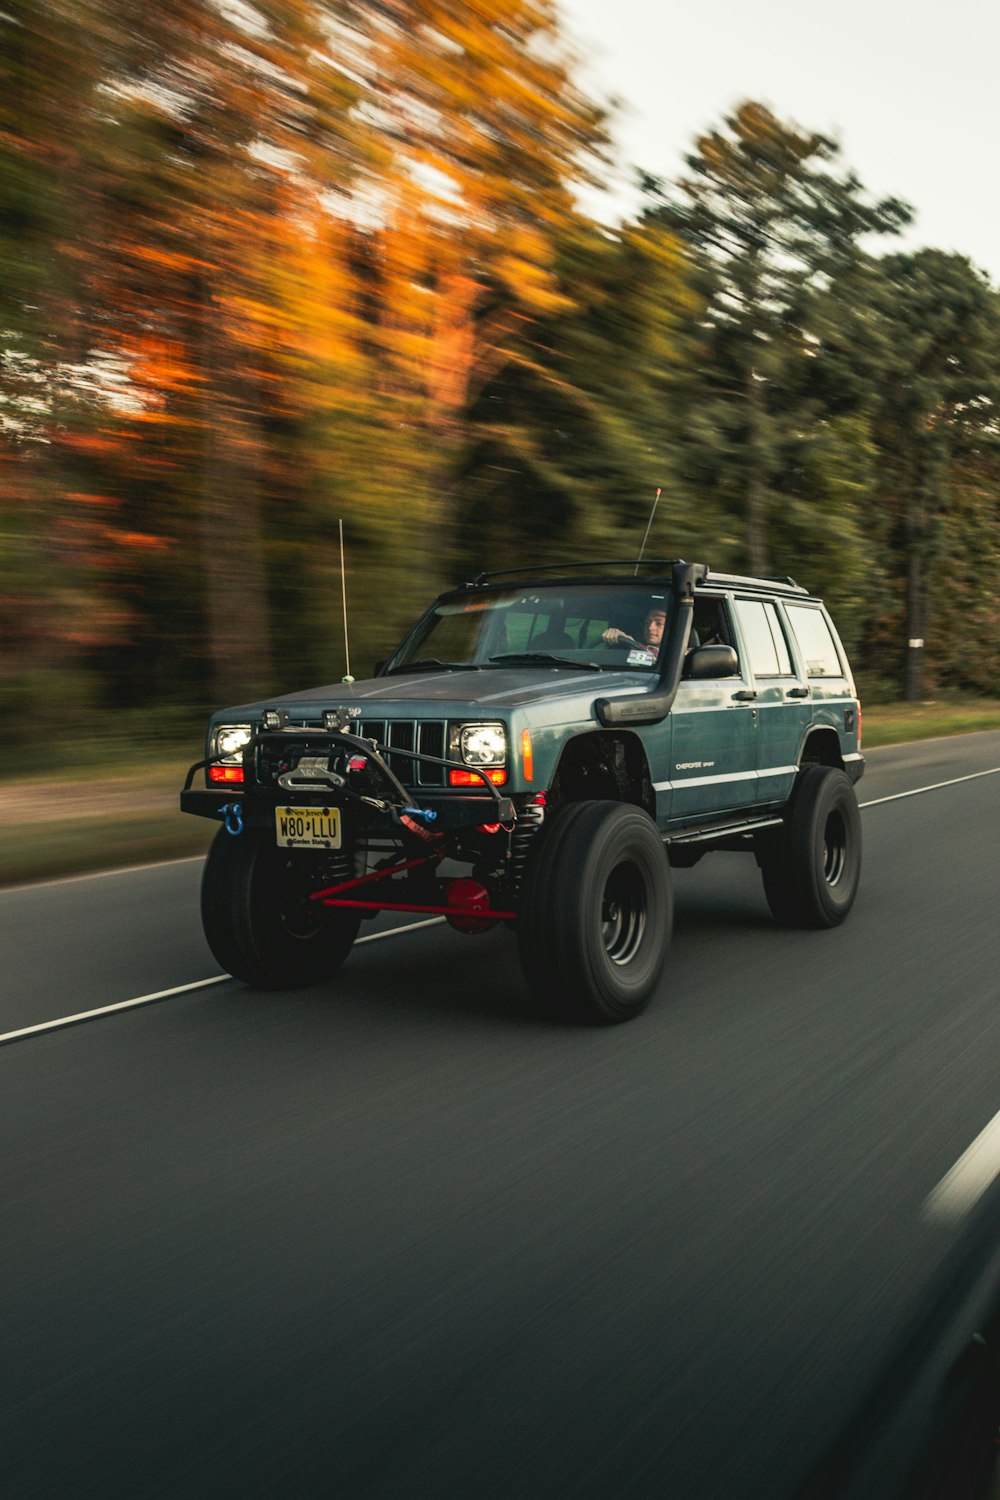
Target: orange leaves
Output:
[
  {"x": 160, "y": 367},
  {"x": 139, "y": 541}
]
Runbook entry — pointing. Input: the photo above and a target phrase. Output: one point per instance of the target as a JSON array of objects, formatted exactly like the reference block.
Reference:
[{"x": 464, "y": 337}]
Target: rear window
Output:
[{"x": 819, "y": 653}]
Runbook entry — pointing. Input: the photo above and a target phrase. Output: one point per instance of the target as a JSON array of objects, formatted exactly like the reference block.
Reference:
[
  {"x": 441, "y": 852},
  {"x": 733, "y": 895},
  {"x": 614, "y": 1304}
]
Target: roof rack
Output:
[
  {"x": 614, "y": 562},
  {"x": 782, "y": 584}
]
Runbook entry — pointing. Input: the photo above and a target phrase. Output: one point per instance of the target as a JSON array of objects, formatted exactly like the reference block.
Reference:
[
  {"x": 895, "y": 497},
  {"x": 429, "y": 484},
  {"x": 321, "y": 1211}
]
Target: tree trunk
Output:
[
  {"x": 230, "y": 524},
  {"x": 756, "y": 494},
  {"x": 916, "y": 624}
]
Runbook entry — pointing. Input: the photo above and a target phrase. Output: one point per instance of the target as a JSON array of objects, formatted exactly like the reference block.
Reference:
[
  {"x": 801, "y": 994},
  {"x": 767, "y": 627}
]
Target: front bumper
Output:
[{"x": 379, "y": 806}]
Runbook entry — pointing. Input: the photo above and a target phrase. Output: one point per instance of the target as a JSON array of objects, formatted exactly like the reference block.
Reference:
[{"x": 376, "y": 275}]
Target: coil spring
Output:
[
  {"x": 529, "y": 821},
  {"x": 339, "y": 865}
]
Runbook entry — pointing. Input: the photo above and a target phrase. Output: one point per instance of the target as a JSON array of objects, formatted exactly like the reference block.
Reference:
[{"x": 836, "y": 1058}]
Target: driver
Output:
[{"x": 652, "y": 631}]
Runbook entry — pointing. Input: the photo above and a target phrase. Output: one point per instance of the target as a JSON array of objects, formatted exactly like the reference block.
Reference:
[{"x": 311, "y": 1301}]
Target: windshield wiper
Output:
[
  {"x": 432, "y": 664},
  {"x": 544, "y": 659}
]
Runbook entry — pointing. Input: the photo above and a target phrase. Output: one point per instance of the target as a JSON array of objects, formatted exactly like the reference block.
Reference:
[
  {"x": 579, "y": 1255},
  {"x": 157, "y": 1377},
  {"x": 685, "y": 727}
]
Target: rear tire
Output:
[
  {"x": 596, "y": 913},
  {"x": 812, "y": 865},
  {"x": 259, "y": 922}
]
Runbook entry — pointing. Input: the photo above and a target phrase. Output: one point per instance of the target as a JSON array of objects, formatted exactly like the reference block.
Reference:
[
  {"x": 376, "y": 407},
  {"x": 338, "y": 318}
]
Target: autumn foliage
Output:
[{"x": 270, "y": 264}]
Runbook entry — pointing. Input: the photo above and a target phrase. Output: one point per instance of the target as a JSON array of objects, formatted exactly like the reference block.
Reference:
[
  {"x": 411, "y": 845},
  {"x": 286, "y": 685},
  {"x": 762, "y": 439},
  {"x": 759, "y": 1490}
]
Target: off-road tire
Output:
[
  {"x": 596, "y": 913},
  {"x": 812, "y": 864},
  {"x": 259, "y": 922}
]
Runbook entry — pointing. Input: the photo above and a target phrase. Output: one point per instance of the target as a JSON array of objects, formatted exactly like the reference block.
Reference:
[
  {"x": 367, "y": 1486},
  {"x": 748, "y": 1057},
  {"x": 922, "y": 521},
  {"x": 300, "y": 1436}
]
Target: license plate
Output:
[{"x": 307, "y": 827}]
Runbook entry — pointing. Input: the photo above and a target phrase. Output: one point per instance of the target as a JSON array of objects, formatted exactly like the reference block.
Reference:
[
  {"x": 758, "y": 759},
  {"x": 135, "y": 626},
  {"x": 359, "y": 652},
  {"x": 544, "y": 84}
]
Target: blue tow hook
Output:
[
  {"x": 427, "y": 813},
  {"x": 233, "y": 814}
]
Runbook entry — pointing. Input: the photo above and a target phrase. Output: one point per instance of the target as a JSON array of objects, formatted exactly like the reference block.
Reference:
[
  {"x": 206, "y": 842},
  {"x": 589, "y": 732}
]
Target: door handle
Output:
[
  {"x": 800, "y": 692},
  {"x": 745, "y": 695}
]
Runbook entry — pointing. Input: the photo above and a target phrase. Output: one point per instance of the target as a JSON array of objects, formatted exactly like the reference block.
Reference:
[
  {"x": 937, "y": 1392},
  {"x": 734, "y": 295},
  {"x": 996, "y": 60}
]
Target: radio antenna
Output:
[
  {"x": 652, "y": 513},
  {"x": 343, "y": 595}
]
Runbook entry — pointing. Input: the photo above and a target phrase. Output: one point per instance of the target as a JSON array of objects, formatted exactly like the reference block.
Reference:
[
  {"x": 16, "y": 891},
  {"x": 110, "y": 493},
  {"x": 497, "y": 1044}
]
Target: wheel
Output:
[
  {"x": 596, "y": 913},
  {"x": 258, "y": 919},
  {"x": 811, "y": 867}
]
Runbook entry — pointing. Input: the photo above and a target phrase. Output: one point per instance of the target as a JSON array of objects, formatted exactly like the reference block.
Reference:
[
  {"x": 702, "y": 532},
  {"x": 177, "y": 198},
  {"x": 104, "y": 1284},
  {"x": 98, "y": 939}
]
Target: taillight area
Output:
[
  {"x": 858, "y": 702},
  {"x": 497, "y": 775},
  {"x": 225, "y": 774}
]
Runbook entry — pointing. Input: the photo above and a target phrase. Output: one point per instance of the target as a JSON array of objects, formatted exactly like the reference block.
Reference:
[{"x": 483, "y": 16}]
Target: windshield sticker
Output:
[{"x": 640, "y": 658}]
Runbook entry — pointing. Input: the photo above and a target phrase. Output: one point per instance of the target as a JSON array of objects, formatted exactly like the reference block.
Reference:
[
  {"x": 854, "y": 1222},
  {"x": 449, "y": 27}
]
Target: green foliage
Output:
[{"x": 267, "y": 268}]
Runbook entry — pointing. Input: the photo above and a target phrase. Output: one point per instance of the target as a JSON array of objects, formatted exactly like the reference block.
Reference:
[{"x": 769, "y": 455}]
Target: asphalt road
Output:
[{"x": 401, "y": 1238}]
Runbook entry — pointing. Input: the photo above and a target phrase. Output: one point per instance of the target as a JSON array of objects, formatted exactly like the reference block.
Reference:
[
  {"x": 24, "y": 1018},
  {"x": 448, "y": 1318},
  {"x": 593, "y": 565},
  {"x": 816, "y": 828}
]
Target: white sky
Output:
[{"x": 911, "y": 91}]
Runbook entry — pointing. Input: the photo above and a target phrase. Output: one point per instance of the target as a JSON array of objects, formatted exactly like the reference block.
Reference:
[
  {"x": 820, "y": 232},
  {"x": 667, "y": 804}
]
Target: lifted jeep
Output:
[{"x": 539, "y": 751}]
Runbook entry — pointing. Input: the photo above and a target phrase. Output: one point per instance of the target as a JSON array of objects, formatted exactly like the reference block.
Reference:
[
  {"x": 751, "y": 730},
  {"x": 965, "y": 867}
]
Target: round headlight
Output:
[{"x": 484, "y": 745}]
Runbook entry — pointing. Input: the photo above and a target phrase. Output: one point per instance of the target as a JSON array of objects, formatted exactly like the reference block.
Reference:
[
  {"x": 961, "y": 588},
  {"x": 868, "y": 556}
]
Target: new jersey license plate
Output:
[{"x": 307, "y": 827}]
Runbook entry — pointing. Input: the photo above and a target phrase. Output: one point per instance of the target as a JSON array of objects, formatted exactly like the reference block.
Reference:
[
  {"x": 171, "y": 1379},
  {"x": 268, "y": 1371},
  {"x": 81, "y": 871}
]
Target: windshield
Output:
[{"x": 603, "y": 627}]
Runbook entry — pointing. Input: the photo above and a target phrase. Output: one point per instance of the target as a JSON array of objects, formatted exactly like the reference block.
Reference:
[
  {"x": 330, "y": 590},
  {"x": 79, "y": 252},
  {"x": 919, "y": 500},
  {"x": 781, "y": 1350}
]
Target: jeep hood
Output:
[{"x": 491, "y": 689}]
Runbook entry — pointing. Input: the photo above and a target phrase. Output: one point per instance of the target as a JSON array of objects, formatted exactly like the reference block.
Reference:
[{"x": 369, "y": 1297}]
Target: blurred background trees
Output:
[{"x": 265, "y": 264}]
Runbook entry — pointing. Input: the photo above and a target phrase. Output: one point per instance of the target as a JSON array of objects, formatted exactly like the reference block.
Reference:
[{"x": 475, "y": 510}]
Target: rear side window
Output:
[
  {"x": 815, "y": 641},
  {"x": 765, "y": 639}
]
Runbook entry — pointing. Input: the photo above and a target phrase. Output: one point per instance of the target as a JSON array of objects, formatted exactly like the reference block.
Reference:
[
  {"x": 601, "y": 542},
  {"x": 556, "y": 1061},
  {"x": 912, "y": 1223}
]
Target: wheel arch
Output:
[
  {"x": 604, "y": 764},
  {"x": 821, "y": 747}
]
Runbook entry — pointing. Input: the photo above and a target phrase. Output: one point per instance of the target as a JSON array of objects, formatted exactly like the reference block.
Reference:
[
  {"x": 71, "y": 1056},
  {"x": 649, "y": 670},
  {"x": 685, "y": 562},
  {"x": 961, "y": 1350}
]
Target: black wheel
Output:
[
  {"x": 596, "y": 913},
  {"x": 258, "y": 919},
  {"x": 812, "y": 866}
]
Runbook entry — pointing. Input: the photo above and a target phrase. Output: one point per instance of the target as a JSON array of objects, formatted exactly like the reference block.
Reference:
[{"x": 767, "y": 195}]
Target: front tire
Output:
[
  {"x": 258, "y": 919},
  {"x": 596, "y": 914},
  {"x": 812, "y": 866}
]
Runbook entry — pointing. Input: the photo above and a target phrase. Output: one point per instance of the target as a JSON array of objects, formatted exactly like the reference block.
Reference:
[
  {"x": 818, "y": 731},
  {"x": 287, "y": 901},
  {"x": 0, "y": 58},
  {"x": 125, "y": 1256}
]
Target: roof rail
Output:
[
  {"x": 757, "y": 581},
  {"x": 615, "y": 562}
]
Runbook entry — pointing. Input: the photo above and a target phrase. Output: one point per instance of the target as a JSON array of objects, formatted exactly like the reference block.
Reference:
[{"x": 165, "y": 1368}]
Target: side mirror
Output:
[{"x": 711, "y": 661}]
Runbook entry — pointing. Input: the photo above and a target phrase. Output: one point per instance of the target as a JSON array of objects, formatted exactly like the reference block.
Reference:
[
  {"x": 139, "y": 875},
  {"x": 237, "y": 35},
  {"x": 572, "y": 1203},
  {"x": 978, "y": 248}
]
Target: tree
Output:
[
  {"x": 488, "y": 137},
  {"x": 771, "y": 223},
  {"x": 936, "y": 426}
]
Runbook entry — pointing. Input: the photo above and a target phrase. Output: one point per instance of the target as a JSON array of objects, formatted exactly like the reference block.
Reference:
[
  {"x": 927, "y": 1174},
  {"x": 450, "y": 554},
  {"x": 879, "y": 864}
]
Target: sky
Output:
[{"x": 911, "y": 92}]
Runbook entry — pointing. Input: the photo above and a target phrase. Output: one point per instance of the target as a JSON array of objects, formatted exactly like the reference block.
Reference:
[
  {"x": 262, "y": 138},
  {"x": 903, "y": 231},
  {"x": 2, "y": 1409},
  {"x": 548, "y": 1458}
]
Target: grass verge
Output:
[
  {"x": 79, "y": 818},
  {"x": 901, "y": 723}
]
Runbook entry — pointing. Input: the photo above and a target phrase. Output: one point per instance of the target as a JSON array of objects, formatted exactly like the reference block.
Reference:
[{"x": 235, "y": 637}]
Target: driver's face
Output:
[{"x": 655, "y": 621}]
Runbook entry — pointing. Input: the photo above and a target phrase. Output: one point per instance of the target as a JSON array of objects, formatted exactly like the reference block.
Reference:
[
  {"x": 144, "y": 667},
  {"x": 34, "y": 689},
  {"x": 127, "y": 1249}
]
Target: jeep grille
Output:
[{"x": 426, "y": 736}]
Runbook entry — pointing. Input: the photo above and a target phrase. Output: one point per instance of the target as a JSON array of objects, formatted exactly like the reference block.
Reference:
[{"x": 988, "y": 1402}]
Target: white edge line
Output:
[
  {"x": 180, "y": 989},
  {"x": 189, "y": 859},
  {"x": 966, "y": 1182},
  {"x": 106, "y": 1010},
  {"x": 937, "y": 785}
]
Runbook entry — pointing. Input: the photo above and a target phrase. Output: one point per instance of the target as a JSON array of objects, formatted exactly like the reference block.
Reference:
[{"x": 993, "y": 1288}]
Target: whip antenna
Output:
[
  {"x": 652, "y": 513},
  {"x": 343, "y": 594}
]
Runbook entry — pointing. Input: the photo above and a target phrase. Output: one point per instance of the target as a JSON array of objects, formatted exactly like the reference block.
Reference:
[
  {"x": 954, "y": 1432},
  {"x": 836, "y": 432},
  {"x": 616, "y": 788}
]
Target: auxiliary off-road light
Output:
[
  {"x": 274, "y": 718},
  {"x": 342, "y": 720}
]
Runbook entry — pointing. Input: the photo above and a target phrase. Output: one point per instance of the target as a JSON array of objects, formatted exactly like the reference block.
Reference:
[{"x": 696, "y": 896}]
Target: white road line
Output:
[
  {"x": 180, "y": 989},
  {"x": 372, "y": 937},
  {"x": 877, "y": 801},
  {"x": 969, "y": 1178},
  {"x": 107, "y": 1010}
]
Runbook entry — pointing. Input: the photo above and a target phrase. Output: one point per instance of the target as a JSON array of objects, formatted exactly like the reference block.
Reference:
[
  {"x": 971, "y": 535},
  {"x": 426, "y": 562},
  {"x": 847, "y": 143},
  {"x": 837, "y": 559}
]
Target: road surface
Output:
[{"x": 402, "y": 1238}]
